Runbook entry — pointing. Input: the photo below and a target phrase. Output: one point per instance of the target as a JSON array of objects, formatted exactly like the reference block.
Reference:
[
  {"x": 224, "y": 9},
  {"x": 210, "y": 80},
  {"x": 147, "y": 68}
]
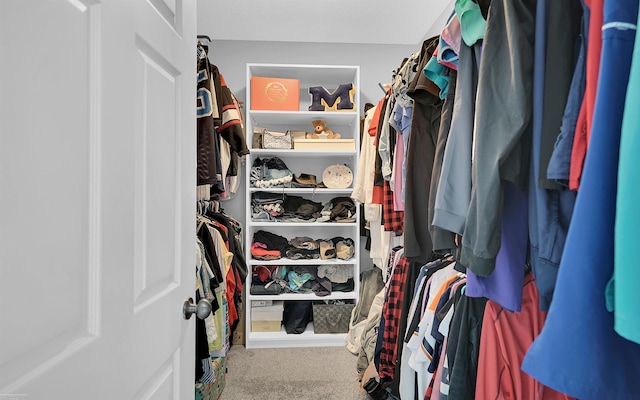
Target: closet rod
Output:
[{"x": 204, "y": 37}]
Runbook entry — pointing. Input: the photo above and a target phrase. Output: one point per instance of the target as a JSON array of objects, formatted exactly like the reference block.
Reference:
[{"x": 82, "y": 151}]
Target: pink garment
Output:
[
  {"x": 398, "y": 159},
  {"x": 506, "y": 337},
  {"x": 435, "y": 393},
  {"x": 451, "y": 34}
]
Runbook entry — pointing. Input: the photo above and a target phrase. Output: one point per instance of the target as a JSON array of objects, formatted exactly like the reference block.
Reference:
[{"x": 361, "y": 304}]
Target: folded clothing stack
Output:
[
  {"x": 266, "y": 206},
  {"x": 269, "y": 246},
  {"x": 337, "y": 247},
  {"x": 343, "y": 209},
  {"x": 268, "y": 279},
  {"x": 280, "y": 207}
]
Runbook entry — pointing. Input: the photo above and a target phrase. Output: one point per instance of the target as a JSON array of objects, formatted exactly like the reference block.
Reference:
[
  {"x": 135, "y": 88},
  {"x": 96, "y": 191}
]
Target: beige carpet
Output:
[{"x": 315, "y": 373}]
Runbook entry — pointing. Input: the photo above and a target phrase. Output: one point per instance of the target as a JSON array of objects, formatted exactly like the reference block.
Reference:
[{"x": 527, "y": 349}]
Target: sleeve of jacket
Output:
[
  {"x": 503, "y": 115},
  {"x": 231, "y": 127},
  {"x": 359, "y": 187},
  {"x": 384, "y": 149}
]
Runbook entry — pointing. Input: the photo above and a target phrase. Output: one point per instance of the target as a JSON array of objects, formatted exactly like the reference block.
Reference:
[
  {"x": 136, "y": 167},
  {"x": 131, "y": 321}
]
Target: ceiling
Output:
[{"x": 406, "y": 22}]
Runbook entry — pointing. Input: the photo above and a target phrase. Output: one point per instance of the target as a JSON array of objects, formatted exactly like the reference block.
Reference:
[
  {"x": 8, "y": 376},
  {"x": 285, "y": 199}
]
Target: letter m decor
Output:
[{"x": 322, "y": 100}]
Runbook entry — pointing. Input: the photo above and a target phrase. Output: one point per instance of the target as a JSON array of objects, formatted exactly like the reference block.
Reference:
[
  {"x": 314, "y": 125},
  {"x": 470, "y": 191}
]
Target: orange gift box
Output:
[{"x": 275, "y": 94}]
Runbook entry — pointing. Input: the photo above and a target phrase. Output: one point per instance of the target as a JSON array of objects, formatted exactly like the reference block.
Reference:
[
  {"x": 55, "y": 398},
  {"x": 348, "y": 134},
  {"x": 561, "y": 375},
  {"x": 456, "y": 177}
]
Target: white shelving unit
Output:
[{"x": 347, "y": 123}]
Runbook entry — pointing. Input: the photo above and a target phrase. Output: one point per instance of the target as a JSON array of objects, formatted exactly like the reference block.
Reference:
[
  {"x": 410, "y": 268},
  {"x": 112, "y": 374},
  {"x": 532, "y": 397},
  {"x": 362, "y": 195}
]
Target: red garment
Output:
[
  {"x": 373, "y": 126},
  {"x": 391, "y": 219},
  {"x": 230, "y": 293},
  {"x": 264, "y": 254},
  {"x": 392, "y": 311},
  {"x": 506, "y": 337},
  {"x": 594, "y": 48},
  {"x": 377, "y": 196},
  {"x": 579, "y": 149}
]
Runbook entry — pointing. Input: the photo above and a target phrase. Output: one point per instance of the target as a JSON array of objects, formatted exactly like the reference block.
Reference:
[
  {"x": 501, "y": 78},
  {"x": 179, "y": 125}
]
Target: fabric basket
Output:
[
  {"x": 331, "y": 318},
  {"x": 213, "y": 390}
]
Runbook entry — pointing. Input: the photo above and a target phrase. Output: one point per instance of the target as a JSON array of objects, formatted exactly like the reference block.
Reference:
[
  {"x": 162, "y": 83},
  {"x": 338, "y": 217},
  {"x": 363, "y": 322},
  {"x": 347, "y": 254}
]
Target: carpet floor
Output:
[{"x": 314, "y": 373}]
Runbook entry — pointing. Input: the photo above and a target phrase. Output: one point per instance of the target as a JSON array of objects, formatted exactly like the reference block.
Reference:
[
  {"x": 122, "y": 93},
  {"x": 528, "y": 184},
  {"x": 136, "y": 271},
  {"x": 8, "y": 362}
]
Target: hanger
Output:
[{"x": 203, "y": 48}]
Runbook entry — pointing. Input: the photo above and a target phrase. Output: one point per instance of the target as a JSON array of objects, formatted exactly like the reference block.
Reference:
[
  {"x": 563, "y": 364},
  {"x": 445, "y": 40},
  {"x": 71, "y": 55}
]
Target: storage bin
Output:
[
  {"x": 324, "y": 144},
  {"x": 331, "y": 318},
  {"x": 265, "y": 326},
  {"x": 268, "y": 313},
  {"x": 277, "y": 94},
  {"x": 267, "y": 318}
]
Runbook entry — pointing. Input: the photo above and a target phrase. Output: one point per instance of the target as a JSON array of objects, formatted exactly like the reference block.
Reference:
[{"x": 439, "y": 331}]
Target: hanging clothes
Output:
[
  {"x": 218, "y": 116},
  {"x": 420, "y": 154},
  {"x": 608, "y": 369}
]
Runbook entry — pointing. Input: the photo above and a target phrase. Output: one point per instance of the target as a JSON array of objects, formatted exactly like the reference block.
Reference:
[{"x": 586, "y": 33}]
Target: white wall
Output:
[
  {"x": 376, "y": 61},
  {"x": 376, "y": 65}
]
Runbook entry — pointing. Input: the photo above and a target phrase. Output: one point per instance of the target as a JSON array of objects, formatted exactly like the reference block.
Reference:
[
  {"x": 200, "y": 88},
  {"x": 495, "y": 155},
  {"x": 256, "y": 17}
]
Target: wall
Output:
[
  {"x": 376, "y": 65},
  {"x": 376, "y": 61}
]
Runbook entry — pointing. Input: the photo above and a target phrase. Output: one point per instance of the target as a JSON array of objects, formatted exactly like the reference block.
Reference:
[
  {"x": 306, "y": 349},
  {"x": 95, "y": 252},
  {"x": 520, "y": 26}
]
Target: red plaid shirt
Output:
[{"x": 391, "y": 311}]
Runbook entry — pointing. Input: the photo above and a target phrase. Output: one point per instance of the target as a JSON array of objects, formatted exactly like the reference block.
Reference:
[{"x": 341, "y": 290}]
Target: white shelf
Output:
[
  {"x": 308, "y": 74},
  {"x": 346, "y": 191},
  {"x": 306, "y": 339},
  {"x": 298, "y": 224},
  {"x": 303, "y": 117},
  {"x": 299, "y": 296},
  {"x": 287, "y": 261},
  {"x": 303, "y": 153},
  {"x": 312, "y": 162}
]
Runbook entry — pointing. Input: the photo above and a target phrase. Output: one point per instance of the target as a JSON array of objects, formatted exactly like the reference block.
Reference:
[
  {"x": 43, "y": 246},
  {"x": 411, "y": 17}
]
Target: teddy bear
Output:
[{"x": 320, "y": 131}]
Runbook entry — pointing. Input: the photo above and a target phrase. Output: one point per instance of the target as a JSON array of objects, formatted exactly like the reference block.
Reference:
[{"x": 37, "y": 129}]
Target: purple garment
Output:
[
  {"x": 504, "y": 285},
  {"x": 402, "y": 123}
]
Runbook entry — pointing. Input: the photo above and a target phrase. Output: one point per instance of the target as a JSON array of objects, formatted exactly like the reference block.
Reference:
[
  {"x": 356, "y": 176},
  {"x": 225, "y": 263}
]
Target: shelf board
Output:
[
  {"x": 307, "y": 73},
  {"x": 302, "y": 153},
  {"x": 305, "y": 224},
  {"x": 296, "y": 117},
  {"x": 286, "y": 261},
  {"x": 311, "y": 296},
  {"x": 302, "y": 190},
  {"x": 281, "y": 339}
]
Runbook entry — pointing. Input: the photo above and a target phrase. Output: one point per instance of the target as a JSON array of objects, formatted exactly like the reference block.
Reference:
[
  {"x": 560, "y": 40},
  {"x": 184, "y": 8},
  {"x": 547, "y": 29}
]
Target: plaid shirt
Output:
[
  {"x": 391, "y": 312},
  {"x": 391, "y": 219}
]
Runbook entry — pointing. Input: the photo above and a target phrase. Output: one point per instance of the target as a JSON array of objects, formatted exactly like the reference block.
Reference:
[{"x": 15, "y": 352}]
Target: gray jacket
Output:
[{"x": 502, "y": 143}]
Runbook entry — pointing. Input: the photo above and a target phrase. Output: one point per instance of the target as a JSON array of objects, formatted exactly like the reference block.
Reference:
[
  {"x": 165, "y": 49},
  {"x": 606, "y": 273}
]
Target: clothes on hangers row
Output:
[
  {"x": 220, "y": 130},
  {"x": 220, "y": 272},
  {"x": 519, "y": 148},
  {"x": 454, "y": 346}
]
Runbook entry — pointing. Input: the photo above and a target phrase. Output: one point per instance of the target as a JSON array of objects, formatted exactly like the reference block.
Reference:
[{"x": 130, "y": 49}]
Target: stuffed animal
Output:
[{"x": 320, "y": 131}]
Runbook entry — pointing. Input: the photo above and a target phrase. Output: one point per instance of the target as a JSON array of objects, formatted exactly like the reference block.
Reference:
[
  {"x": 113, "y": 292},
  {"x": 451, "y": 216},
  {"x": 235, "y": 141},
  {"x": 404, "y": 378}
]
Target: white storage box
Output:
[
  {"x": 268, "y": 313},
  {"x": 324, "y": 144}
]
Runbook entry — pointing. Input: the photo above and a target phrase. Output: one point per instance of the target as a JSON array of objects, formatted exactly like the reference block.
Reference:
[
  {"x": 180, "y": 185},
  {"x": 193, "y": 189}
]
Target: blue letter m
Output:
[{"x": 319, "y": 95}]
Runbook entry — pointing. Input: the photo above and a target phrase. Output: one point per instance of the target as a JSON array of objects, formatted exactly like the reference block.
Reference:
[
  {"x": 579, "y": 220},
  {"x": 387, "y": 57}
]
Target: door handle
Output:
[{"x": 202, "y": 309}]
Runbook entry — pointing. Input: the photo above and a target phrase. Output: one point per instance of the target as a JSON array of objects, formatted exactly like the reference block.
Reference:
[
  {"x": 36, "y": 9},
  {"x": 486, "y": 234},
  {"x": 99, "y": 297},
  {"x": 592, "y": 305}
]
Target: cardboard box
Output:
[
  {"x": 265, "y": 326},
  {"x": 275, "y": 94},
  {"x": 268, "y": 313},
  {"x": 324, "y": 144}
]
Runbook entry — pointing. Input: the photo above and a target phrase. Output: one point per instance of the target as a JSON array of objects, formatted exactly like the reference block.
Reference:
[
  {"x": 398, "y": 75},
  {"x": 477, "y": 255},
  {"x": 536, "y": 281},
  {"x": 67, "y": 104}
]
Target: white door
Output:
[{"x": 97, "y": 198}]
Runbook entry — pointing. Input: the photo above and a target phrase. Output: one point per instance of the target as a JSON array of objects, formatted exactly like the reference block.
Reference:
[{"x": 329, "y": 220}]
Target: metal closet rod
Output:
[{"x": 205, "y": 37}]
